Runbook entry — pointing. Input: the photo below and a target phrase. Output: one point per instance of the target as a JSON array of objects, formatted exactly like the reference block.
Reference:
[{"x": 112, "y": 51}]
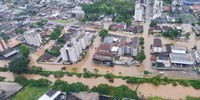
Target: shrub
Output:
[
  {"x": 3, "y": 69},
  {"x": 174, "y": 83},
  {"x": 58, "y": 74},
  {"x": 35, "y": 70},
  {"x": 46, "y": 74},
  {"x": 69, "y": 74},
  {"x": 40, "y": 83},
  {"x": 132, "y": 80},
  {"x": 63, "y": 68},
  {"x": 78, "y": 75},
  {"x": 88, "y": 74},
  {"x": 2, "y": 78},
  {"x": 21, "y": 80},
  {"x": 184, "y": 82},
  {"x": 195, "y": 84},
  {"x": 156, "y": 80}
]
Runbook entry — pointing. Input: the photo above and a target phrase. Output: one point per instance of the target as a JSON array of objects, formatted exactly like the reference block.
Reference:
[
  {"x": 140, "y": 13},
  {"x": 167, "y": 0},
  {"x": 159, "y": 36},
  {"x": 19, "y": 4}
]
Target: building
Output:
[
  {"x": 33, "y": 38},
  {"x": 53, "y": 95},
  {"x": 157, "y": 45},
  {"x": 164, "y": 59},
  {"x": 191, "y": 2},
  {"x": 157, "y": 8},
  {"x": 3, "y": 45},
  {"x": 197, "y": 57},
  {"x": 179, "y": 50},
  {"x": 77, "y": 12},
  {"x": 177, "y": 6},
  {"x": 138, "y": 17},
  {"x": 182, "y": 59},
  {"x": 196, "y": 29},
  {"x": 9, "y": 52}
]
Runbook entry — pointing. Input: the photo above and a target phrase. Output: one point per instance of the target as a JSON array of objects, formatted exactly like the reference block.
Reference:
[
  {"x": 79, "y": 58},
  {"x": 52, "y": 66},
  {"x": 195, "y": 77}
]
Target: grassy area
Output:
[
  {"x": 30, "y": 93},
  {"x": 63, "y": 21}
]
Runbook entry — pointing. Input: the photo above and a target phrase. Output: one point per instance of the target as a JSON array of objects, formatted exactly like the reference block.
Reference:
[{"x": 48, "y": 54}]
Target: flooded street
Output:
[{"x": 166, "y": 91}]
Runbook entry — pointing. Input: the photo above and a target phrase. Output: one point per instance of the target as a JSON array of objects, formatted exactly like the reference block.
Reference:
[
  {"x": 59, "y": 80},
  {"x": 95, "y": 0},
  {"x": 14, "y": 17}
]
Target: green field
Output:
[
  {"x": 63, "y": 21},
  {"x": 30, "y": 93}
]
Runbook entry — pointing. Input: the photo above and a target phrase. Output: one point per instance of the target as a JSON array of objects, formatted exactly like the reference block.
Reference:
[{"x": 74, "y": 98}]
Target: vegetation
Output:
[
  {"x": 19, "y": 65},
  {"x": 58, "y": 74},
  {"x": 153, "y": 24},
  {"x": 53, "y": 52},
  {"x": 141, "y": 39},
  {"x": 110, "y": 7},
  {"x": 39, "y": 83},
  {"x": 56, "y": 33},
  {"x": 30, "y": 93},
  {"x": 66, "y": 87},
  {"x": 2, "y": 78},
  {"x": 41, "y": 23},
  {"x": 141, "y": 56},
  {"x": 4, "y": 36},
  {"x": 155, "y": 98},
  {"x": 118, "y": 92},
  {"x": 172, "y": 34},
  {"x": 3, "y": 69},
  {"x": 21, "y": 80},
  {"x": 24, "y": 50},
  {"x": 19, "y": 31},
  {"x": 103, "y": 33}
]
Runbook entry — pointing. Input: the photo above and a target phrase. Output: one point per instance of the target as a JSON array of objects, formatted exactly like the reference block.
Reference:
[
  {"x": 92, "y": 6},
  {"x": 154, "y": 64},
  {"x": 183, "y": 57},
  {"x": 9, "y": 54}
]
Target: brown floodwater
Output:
[{"x": 166, "y": 91}]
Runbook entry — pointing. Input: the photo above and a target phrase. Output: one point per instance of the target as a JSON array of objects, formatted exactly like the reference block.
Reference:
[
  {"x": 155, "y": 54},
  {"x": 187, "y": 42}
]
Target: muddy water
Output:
[{"x": 167, "y": 91}]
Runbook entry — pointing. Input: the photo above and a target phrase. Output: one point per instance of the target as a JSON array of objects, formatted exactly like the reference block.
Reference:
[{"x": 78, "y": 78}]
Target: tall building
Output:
[
  {"x": 33, "y": 38},
  {"x": 3, "y": 45},
  {"x": 157, "y": 8},
  {"x": 138, "y": 12},
  {"x": 72, "y": 50}
]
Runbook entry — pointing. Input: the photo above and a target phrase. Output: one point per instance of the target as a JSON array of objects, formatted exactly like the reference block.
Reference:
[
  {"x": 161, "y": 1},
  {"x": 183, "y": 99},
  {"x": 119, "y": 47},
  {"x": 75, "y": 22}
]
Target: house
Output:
[
  {"x": 135, "y": 29},
  {"x": 157, "y": 29},
  {"x": 53, "y": 95},
  {"x": 164, "y": 59},
  {"x": 166, "y": 28},
  {"x": 33, "y": 38},
  {"x": 77, "y": 12},
  {"x": 157, "y": 45}
]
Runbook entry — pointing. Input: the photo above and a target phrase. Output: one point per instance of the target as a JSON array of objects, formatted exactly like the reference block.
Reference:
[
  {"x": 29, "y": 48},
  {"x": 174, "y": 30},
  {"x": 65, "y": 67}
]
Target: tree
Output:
[
  {"x": 153, "y": 24},
  {"x": 19, "y": 31},
  {"x": 4, "y": 36},
  {"x": 19, "y": 65},
  {"x": 141, "y": 40},
  {"x": 40, "y": 83},
  {"x": 21, "y": 80},
  {"x": 118, "y": 19},
  {"x": 103, "y": 33},
  {"x": 141, "y": 56},
  {"x": 96, "y": 70},
  {"x": 56, "y": 33},
  {"x": 85, "y": 70},
  {"x": 24, "y": 50},
  {"x": 128, "y": 22},
  {"x": 187, "y": 35}
]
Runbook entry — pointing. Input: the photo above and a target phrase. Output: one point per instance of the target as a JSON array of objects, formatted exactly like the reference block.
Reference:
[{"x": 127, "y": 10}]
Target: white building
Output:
[
  {"x": 78, "y": 12},
  {"x": 138, "y": 13},
  {"x": 53, "y": 95},
  {"x": 185, "y": 59},
  {"x": 157, "y": 8},
  {"x": 197, "y": 56},
  {"x": 33, "y": 38},
  {"x": 72, "y": 50},
  {"x": 178, "y": 50},
  {"x": 3, "y": 45}
]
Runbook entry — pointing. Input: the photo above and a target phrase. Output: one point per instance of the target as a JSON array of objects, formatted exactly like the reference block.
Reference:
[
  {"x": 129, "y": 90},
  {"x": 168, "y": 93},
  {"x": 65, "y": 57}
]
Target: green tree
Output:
[
  {"x": 141, "y": 56},
  {"x": 118, "y": 19},
  {"x": 153, "y": 24},
  {"x": 19, "y": 31},
  {"x": 4, "y": 36},
  {"x": 103, "y": 33},
  {"x": 96, "y": 70},
  {"x": 56, "y": 33},
  {"x": 24, "y": 50},
  {"x": 22, "y": 80},
  {"x": 128, "y": 22},
  {"x": 40, "y": 83},
  {"x": 19, "y": 65},
  {"x": 141, "y": 41}
]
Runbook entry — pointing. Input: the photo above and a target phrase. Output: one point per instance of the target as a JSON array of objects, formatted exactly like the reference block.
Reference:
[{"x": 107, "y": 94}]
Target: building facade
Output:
[{"x": 33, "y": 38}]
